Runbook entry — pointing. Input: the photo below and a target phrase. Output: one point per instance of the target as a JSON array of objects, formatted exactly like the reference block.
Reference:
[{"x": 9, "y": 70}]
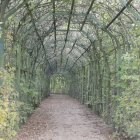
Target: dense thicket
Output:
[{"x": 92, "y": 46}]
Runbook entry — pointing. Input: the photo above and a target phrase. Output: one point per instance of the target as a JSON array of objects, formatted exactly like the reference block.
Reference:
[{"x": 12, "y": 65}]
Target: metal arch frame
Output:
[
  {"x": 82, "y": 32},
  {"x": 45, "y": 16},
  {"x": 87, "y": 13},
  {"x": 36, "y": 30},
  {"x": 68, "y": 40},
  {"x": 69, "y": 22},
  {"x": 54, "y": 23},
  {"x": 79, "y": 45},
  {"x": 128, "y": 3},
  {"x": 112, "y": 21}
]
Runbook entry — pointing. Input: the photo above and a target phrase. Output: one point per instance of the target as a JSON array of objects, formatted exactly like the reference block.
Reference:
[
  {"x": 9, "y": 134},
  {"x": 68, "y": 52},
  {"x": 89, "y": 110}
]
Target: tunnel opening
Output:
[{"x": 59, "y": 84}]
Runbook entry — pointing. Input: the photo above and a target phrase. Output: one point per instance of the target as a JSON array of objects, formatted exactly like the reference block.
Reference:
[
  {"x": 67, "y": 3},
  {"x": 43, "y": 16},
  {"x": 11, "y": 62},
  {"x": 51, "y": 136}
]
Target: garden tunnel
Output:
[
  {"x": 59, "y": 84},
  {"x": 92, "y": 44}
]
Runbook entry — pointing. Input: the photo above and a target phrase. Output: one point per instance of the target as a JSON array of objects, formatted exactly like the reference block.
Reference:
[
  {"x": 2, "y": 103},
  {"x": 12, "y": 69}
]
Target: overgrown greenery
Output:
[
  {"x": 59, "y": 84},
  {"x": 15, "y": 104},
  {"x": 115, "y": 95},
  {"x": 127, "y": 114},
  {"x": 9, "y": 106},
  {"x": 93, "y": 46}
]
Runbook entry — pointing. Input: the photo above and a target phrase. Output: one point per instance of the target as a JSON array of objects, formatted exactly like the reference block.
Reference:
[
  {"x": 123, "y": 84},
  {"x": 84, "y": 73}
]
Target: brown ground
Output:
[{"x": 61, "y": 117}]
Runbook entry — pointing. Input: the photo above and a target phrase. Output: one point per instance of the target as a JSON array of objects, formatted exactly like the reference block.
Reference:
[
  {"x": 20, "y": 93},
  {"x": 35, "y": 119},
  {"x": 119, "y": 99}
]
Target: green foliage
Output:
[
  {"x": 9, "y": 116},
  {"x": 105, "y": 76},
  {"x": 113, "y": 95},
  {"x": 59, "y": 83},
  {"x": 29, "y": 94},
  {"x": 127, "y": 112},
  {"x": 15, "y": 107}
]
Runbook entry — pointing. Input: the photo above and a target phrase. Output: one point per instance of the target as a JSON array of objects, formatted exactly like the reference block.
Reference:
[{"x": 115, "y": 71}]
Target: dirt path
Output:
[{"x": 61, "y": 117}]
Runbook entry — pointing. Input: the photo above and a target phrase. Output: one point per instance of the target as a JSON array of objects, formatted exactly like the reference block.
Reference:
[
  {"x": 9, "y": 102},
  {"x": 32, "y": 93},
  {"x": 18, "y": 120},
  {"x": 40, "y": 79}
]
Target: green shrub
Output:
[
  {"x": 127, "y": 114},
  {"x": 9, "y": 106},
  {"x": 15, "y": 107}
]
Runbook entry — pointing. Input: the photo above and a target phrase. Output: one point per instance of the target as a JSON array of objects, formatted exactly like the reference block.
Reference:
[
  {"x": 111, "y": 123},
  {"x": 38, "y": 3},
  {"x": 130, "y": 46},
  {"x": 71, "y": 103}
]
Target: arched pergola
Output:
[{"x": 86, "y": 41}]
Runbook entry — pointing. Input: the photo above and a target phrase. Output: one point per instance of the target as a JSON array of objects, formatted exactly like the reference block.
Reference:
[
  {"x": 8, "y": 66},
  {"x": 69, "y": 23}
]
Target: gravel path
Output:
[{"x": 61, "y": 117}]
